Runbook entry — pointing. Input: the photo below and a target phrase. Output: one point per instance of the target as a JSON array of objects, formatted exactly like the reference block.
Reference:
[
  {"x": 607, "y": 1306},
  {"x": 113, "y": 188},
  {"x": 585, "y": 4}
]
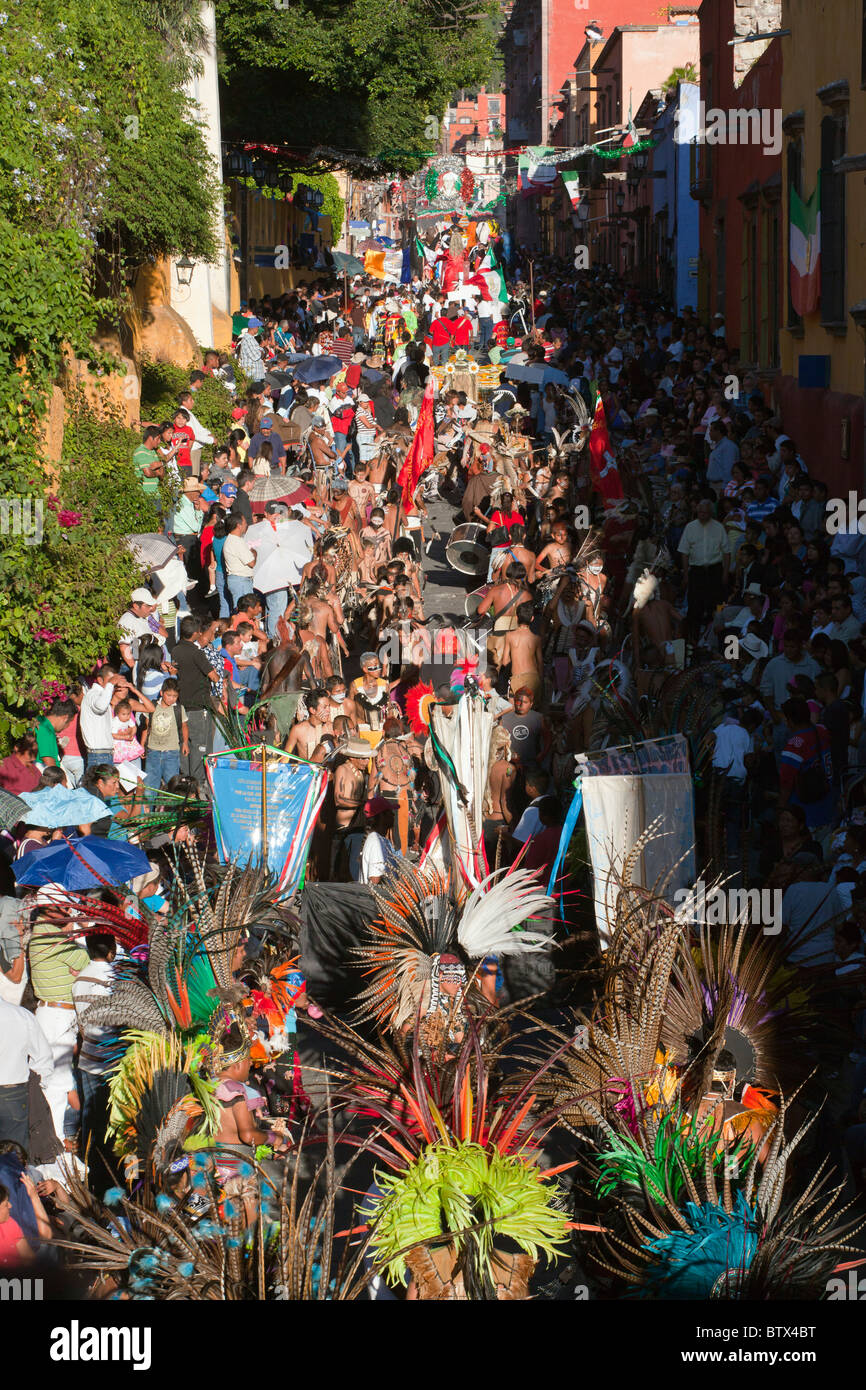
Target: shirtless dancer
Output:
[
  {"x": 558, "y": 552},
  {"x": 501, "y": 780},
  {"x": 323, "y": 457},
  {"x": 501, "y": 601},
  {"x": 523, "y": 653},
  {"x": 312, "y": 644},
  {"x": 304, "y": 737},
  {"x": 377, "y": 471},
  {"x": 350, "y": 793},
  {"x": 518, "y": 554},
  {"x": 656, "y": 621},
  {"x": 323, "y": 618}
]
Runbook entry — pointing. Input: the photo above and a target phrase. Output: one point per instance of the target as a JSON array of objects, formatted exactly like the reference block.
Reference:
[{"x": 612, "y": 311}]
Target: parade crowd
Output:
[{"x": 635, "y": 533}]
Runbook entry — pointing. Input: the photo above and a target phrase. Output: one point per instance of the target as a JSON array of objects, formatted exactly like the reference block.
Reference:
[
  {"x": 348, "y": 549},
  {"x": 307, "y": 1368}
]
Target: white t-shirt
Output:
[
  {"x": 377, "y": 854},
  {"x": 733, "y": 742},
  {"x": 94, "y": 719},
  {"x": 132, "y": 628},
  {"x": 237, "y": 556}
]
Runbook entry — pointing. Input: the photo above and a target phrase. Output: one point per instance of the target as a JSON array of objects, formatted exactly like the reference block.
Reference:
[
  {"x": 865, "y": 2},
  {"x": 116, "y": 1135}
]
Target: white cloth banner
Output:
[{"x": 617, "y": 810}]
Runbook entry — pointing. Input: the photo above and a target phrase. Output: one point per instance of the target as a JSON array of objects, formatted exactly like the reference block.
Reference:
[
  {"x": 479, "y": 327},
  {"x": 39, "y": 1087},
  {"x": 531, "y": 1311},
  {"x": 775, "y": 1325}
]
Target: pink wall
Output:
[{"x": 567, "y": 23}]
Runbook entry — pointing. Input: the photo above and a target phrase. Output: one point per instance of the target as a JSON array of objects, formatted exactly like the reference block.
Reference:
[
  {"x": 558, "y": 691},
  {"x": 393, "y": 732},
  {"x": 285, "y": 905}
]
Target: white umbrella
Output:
[
  {"x": 280, "y": 554},
  {"x": 152, "y": 550},
  {"x": 537, "y": 373}
]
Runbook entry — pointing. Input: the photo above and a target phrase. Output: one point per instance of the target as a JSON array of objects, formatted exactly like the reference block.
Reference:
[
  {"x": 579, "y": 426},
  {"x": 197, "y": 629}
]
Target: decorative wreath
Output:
[{"x": 467, "y": 184}]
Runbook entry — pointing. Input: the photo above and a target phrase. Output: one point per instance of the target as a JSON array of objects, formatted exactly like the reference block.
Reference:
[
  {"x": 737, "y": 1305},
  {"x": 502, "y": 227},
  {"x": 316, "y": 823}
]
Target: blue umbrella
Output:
[
  {"x": 316, "y": 369},
  {"x": 113, "y": 860},
  {"x": 54, "y": 807}
]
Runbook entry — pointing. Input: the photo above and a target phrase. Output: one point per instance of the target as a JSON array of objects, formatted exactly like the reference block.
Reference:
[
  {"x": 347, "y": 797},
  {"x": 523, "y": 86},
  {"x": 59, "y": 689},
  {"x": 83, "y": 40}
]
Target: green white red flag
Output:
[{"x": 805, "y": 269}]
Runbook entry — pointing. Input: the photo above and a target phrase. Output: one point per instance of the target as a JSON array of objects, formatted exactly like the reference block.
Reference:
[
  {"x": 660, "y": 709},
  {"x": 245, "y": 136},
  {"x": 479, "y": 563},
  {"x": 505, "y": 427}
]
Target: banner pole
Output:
[{"x": 264, "y": 805}]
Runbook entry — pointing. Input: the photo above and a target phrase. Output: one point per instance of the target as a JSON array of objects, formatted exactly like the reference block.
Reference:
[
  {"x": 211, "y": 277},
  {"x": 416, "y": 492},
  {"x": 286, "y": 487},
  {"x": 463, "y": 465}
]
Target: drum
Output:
[
  {"x": 467, "y": 550},
  {"x": 470, "y": 606}
]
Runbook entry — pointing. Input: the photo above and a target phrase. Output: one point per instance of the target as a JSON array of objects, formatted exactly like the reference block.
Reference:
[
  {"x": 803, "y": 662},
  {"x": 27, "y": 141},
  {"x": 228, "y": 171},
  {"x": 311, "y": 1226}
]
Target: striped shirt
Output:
[{"x": 55, "y": 961}]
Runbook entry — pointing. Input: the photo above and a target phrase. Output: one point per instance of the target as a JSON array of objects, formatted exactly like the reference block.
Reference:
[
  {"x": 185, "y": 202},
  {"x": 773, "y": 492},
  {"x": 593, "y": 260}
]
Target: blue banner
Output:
[{"x": 276, "y": 826}]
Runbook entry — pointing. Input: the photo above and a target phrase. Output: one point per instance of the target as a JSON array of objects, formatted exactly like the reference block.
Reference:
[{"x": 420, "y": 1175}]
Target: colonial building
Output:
[
  {"x": 820, "y": 389},
  {"x": 736, "y": 178}
]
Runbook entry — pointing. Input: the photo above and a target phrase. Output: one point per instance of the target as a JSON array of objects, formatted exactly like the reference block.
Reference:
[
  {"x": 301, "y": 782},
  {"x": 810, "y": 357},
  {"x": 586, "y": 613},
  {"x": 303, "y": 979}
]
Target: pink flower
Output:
[
  {"x": 42, "y": 634},
  {"x": 69, "y": 519},
  {"x": 52, "y": 502}
]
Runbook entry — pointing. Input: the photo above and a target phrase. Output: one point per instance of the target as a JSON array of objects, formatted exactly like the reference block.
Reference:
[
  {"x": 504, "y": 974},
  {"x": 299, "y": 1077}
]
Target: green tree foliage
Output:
[
  {"x": 102, "y": 163},
  {"x": 162, "y": 384},
  {"x": 689, "y": 73},
  {"x": 369, "y": 76}
]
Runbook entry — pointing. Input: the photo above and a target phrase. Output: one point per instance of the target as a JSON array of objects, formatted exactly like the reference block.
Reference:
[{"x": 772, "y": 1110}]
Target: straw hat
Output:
[{"x": 356, "y": 748}]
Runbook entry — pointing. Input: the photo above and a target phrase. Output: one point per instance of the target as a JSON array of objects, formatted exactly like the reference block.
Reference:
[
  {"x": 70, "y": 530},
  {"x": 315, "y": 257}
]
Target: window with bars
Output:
[
  {"x": 833, "y": 133},
  {"x": 795, "y": 182},
  {"x": 773, "y": 287}
]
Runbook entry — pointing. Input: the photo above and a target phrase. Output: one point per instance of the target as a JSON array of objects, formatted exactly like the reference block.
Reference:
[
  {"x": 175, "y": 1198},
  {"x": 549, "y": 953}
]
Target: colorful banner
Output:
[
  {"x": 266, "y": 814},
  {"x": 668, "y": 754}
]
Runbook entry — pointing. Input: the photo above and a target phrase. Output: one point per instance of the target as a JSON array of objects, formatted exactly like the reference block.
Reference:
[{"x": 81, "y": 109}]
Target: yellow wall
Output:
[
  {"x": 823, "y": 48},
  {"x": 271, "y": 222}
]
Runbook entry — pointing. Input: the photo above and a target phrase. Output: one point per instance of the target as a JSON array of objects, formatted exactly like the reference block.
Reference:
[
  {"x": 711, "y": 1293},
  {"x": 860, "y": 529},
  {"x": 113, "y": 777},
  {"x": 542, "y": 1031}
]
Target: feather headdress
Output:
[
  {"x": 424, "y": 915},
  {"x": 645, "y": 590}
]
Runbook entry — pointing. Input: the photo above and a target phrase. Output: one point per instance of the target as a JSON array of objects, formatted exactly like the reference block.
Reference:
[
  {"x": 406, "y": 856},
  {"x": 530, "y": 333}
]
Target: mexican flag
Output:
[
  {"x": 571, "y": 179},
  {"x": 805, "y": 267},
  {"x": 492, "y": 272},
  {"x": 603, "y": 470}
]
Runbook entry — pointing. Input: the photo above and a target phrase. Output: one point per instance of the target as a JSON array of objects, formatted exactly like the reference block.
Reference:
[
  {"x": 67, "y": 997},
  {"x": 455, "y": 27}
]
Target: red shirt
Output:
[
  {"x": 440, "y": 331},
  {"x": 513, "y": 519},
  {"x": 185, "y": 436},
  {"x": 461, "y": 331}
]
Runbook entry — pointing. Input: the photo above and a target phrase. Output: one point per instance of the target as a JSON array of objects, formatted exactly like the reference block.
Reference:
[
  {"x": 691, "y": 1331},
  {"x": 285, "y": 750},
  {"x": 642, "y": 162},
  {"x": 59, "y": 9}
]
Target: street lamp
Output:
[{"x": 183, "y": 270}]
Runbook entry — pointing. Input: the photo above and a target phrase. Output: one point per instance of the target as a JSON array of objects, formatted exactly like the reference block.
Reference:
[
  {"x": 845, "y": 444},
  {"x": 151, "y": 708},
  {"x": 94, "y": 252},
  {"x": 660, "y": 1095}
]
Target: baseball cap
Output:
[
  {"x": 229, "y": 490},
  {"x": 267, "y": 421},
  {"x": 142, "y": 596},
  {"x": 254, "y": 323},
  {"x": 375, "y": 807}
]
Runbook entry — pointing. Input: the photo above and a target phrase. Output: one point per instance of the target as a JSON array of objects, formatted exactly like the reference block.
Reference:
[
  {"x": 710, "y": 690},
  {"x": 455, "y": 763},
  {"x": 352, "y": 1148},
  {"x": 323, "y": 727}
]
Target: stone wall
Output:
[{"x": 752, "y": 17}]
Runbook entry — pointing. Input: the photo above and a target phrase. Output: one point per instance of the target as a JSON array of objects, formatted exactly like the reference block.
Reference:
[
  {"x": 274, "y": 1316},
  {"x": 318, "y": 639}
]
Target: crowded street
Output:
[{"x": 433, "y": 669}]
